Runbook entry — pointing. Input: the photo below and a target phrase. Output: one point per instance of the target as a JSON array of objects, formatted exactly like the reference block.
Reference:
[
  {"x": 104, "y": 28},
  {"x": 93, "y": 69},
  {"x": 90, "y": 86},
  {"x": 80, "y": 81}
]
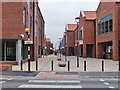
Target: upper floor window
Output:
[
  {"x": 105, "y": 24},
  {"x": 24, "y": 17},
  {"x": 81, "y": 33}
]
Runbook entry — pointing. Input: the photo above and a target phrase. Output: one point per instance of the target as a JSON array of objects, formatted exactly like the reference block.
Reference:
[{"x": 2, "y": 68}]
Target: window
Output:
[
  {"x": 24, "y": 17},
  {"x": 105, "y": 24},
  {"x": 110, "y": 25},
  {"x": 81, "y": 33},
  {"x": 102, "y": 29}
]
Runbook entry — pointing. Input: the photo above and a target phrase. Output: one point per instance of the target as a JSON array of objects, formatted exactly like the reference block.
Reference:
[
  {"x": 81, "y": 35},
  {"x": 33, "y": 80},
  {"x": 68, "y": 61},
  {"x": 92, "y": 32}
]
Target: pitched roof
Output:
[
  {"x": 89, "y": 15},
  {"x": 47, "y": 39},
  {"x": 71, "y": 27}
]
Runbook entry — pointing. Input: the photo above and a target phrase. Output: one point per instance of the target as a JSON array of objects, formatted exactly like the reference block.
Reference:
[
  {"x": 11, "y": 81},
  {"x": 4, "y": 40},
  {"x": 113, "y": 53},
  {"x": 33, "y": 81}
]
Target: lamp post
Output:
[
  {"x": 65, "y": 46},
  {"x": 77, "y": 21},
  {"x": 28, "y": 34},
  {"x": 60, "y": 46}
]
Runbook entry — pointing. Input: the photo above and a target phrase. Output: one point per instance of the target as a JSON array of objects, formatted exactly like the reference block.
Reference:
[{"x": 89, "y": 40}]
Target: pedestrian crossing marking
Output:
[
  {"x": 53, "y": 81},
  {"x": 50, "y": 86},
  {"x": 111, "y": 87},
  {"x": 9, "y": 78},
  {"x": 54, "y": 85},
  {"x": 106, "y": 83},
  {"x": 102, "y": 80},
  {"x": 2, "y": 82},
  {"x": 2, "y": 78}
]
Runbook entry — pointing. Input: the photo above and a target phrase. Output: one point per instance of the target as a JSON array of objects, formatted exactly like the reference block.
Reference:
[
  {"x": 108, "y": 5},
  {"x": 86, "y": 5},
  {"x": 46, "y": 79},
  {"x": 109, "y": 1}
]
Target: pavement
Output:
[{"x": 92, "y": 64}]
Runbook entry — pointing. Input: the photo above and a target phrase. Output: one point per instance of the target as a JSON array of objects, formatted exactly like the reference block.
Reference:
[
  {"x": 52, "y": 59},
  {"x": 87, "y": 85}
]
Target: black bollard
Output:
[
  {"x": 36, "y": 65},
  {"x": 68, "y": 65},
  {"x": 84, "y": 65},
  {"x": 102, "y": 65},
  {"x": 21, "y": 65},
  {"x": 119, "y": 63},
  {"x": 52, "y": 65}
]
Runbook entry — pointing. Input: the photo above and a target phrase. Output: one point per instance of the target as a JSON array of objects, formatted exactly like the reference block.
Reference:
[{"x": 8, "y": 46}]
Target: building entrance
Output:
[
  {"x": 107, "y": 47},
  {"x": 89, "y": 50},
  {"x": 81, "y": 50}
]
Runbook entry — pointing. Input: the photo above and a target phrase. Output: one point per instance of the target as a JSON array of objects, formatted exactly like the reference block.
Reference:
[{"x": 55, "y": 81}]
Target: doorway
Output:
[{"x": 89, "y": 50}]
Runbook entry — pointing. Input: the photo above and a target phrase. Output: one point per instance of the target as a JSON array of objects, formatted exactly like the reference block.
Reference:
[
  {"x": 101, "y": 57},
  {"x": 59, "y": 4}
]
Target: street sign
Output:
[{"x": 28, "y": 42}]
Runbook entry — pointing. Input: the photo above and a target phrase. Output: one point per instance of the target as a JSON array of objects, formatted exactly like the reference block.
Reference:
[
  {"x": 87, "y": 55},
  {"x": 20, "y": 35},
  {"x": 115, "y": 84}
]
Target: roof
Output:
[
  {"x": 89, "y": 15},
  {"x": 47, "y": 39},
  {"x": 71, "y": 27}
]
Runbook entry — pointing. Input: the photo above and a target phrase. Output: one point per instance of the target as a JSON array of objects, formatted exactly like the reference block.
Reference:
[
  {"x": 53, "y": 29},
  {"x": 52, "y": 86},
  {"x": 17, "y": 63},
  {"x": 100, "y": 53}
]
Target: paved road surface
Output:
[{"x": 59, "y": 80}]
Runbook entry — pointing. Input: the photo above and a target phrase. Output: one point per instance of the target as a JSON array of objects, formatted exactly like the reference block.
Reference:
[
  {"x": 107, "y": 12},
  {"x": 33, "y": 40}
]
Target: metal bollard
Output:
[
  {"x": 21, "y": 65},
  {"x": 36, "y": 65},
  {"x": 52, "y": 65},
  {"x": 68, "y": 65},
  {"x": 119, "y": 63},
  {"x": 84, "y": 65},
  {"x": 102, "y": 65}
]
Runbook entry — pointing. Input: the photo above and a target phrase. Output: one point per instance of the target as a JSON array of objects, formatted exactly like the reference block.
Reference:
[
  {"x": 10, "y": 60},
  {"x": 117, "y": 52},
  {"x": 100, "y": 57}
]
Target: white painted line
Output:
[
  {"x": 9, "y": 78},
  {"x": 2, "y": 82},
  {"x": 53, "y": 81},
  {"x": 106, "y": 83},
  {"x": 50, "y": 86},
  {"x": 102, "y": 80},
  {"x": 111, "y": 87},
  {"x": 2, "y": 78}
]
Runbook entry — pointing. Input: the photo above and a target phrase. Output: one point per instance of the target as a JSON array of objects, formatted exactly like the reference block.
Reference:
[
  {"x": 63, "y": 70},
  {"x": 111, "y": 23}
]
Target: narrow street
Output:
[
  {"x": 92, "y": 65},
  {"x": 59, "y": 44}
]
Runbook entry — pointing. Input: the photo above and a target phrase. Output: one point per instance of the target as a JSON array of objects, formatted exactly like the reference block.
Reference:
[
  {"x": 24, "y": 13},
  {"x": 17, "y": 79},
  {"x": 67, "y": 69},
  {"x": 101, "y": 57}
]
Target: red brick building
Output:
[
  {"x": 39, "y": 33},
  {"x": 16, "y": 16},
  {"x": 86, "y": 34},
  {"x": 108, "y": 30},
  {"x": 68, "y": 40},
  {"x": 48, "y": 46}
]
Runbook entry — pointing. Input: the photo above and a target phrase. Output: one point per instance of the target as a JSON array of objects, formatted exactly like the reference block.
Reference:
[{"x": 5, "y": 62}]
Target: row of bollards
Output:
[
  {"x": 85, "y": 65},
  {"x": 52, "y": 65},
  {"x": 21, "y": 64}
]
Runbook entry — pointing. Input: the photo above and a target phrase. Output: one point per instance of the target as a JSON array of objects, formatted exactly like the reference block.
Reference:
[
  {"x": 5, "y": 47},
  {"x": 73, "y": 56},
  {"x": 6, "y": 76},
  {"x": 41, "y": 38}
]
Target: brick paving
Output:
[
  {"x": 54, "y": 75},
  {"x": 93, "y": 65}
]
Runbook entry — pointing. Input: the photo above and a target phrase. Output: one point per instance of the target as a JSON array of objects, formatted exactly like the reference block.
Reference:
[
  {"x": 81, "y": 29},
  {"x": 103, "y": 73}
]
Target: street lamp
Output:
[
  {"x": 77, "y": 21},
  {"x": 60, "y": 46},
  {"x": 27, "y": 30},
  {"x": 65, "y": 38}
]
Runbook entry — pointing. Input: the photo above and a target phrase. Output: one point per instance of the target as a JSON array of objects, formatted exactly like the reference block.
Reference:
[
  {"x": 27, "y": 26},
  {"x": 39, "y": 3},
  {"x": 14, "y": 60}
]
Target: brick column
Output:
[{"x": 99, "y": 51}]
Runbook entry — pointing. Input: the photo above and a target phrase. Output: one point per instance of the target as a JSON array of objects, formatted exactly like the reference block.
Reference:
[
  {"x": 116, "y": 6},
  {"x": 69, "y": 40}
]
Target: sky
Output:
[{"x": 58, "y": 13}]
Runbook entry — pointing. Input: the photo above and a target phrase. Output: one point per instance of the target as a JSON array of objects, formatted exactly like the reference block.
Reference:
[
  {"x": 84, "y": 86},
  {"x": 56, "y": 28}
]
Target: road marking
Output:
[
  {"x": 2, "y": 82},
  {"x": 2, "y": 78},
  {"x": 9, "y": 78},
  {"x": 53, "y": 81},
  {"x": 50, "y": 86},
  {"x": 102, "y": 80},
  {"x": 106, "y": 83},
  {"x": 111, "y": 87}
]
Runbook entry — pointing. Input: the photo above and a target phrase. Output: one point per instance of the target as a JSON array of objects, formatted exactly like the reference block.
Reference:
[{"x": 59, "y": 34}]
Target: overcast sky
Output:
[{"x": 58, "y": 13}]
